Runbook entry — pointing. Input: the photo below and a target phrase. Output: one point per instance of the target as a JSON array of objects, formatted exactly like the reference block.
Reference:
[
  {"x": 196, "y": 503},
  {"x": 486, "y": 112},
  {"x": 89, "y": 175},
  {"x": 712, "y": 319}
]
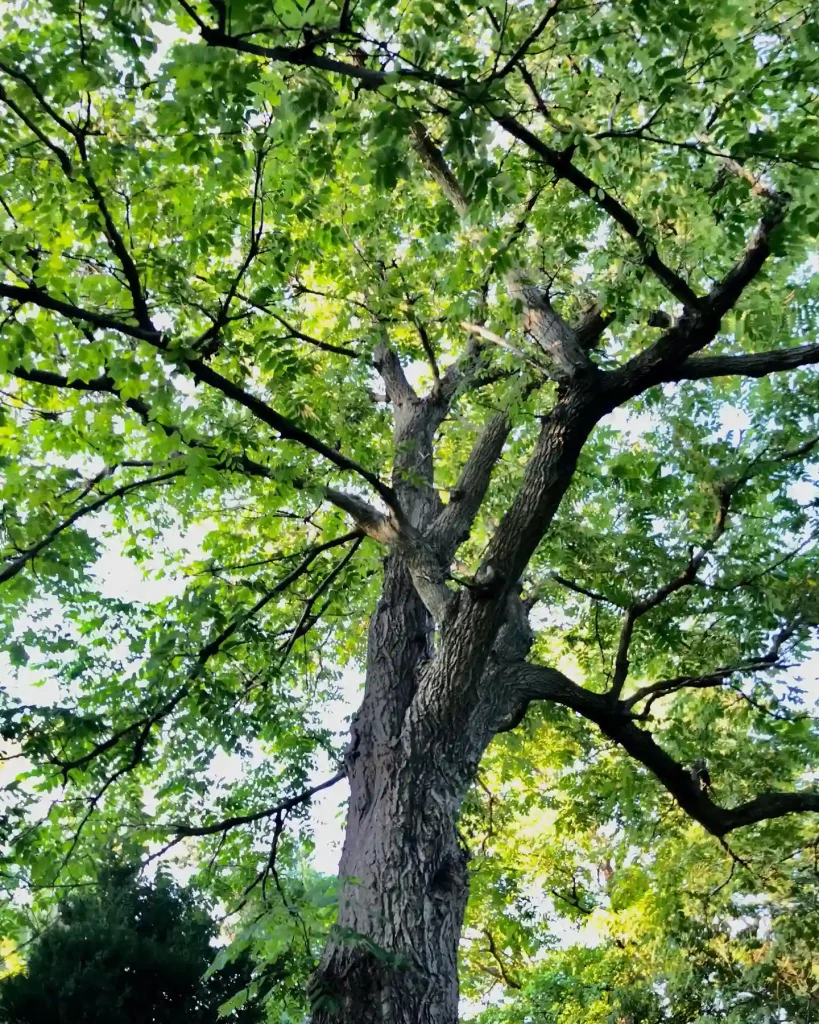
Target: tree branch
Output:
[
  {"x": 184, "y": 831},
  {"x": 16, "y": 565},
  {"x": 453, "y": 524},
  {"x": 399, "y": 390},
  {"x": 639, "y": 608},
  {"x": 286, "y": 428},
  {"x": 433, "y": 160},
  {"x": 306, "y": 622},
  {"x": 536, "y": 682},
  {"x": 34, "y": 128},
  {"x": 523, "y": 49},
  {"x": 751, "y": 364},
  {"x": 663, "y": 360},
  {"x": 205, "y": 654},
  {"x": 566, "y": 357},
  {"x": 106, "y": 385},
  {"x": 560, "y": 162},
  {"x": 725, "y": 295}
]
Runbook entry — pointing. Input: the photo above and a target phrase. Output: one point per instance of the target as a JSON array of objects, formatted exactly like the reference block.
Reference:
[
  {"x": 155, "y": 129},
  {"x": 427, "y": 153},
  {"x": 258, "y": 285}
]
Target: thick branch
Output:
[
  {"x": 725, "y": 295},
  {"x": 752, "y": 364},
  {"x": 688, "y": 794},
  {"x": 590, "y": 327},
  {"x": 535, "y": 682},
  {"x": 663, "y": 360},
  {"x": 399, "y": 390},
  {"x": 548, "y": 474},
  {"x": 453, "y": 524},
  {"x": 368, "y": 519},
  {"x": 566, "y": 357},
  {"x": 433, "y": 160},
  {"x": 501, "y": 342}
]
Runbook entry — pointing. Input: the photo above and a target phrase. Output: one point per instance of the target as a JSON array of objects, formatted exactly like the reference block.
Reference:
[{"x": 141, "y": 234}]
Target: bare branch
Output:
[
  {"x": 184, "y": 831},
  {"x": 433, "y": 160},
  {"x": 452, "y": 526},
  {"x": 501, "y": 342},
  {"x": 752, "y": 364},
  {"x": 399, "y": 390},
  {"x": 566, "y": 357}
]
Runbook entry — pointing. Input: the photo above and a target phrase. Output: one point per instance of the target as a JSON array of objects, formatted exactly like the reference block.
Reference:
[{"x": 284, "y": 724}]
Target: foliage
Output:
[
  {"x": 587, "y": 912},
  {"x": 127, "y": 950},
  {"x": 204, "y": 247}
]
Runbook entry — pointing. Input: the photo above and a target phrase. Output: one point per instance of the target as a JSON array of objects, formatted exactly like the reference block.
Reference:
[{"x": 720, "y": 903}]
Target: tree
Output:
[
  {"x": 126, "y": 951},
  {"x": 592, "y": 223}
]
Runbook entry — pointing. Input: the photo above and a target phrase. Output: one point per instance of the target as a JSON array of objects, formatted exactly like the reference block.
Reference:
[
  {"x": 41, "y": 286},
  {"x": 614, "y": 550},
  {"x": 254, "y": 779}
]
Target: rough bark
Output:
[{"x": 403, "y": 882}]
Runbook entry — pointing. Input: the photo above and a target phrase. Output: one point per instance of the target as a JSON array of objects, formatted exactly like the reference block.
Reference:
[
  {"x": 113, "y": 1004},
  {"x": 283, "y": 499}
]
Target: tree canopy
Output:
[{"x": 468, "y": 346}]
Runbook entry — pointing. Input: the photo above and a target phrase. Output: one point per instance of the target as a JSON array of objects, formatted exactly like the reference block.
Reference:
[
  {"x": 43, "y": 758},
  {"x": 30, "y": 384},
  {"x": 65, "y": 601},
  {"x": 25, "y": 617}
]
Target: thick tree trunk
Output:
[
  {"x": 403, "y": 879},
  {"x": 394, "y": 959},
  {"x": 426, "y": 718}
]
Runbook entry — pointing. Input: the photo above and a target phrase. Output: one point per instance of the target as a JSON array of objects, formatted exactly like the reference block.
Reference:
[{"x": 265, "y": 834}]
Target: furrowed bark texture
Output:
[{"x": 429, "y": 712}]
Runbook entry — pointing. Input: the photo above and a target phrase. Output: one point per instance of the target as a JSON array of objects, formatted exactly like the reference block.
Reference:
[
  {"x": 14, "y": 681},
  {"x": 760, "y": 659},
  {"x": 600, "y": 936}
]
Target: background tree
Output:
[
  {"x": 125, "y": 951},
  {"x": 592, "y": 223}
]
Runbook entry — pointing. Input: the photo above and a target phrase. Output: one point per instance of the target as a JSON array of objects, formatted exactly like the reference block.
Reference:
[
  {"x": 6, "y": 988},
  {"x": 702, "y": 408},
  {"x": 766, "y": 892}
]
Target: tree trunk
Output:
[
  {"x": 403, "y": 879},
  {"x": 426, "y": 718},
  {"x": 394, "y": 958}
]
